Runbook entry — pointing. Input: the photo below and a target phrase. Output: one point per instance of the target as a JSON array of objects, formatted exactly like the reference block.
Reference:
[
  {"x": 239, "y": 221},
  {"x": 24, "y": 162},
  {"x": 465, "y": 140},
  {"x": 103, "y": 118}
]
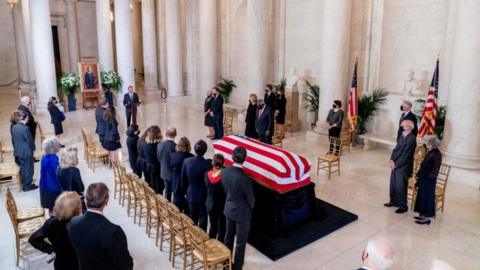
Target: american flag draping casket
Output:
[{"x": 273, "y": 167}]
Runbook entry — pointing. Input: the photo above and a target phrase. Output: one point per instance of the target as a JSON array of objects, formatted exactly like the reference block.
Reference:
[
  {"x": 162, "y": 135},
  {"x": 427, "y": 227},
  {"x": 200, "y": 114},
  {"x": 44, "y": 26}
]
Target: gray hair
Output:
[
  {"x": 408, "y": 103},
  {"x": 409, "y": 122},
  {"x": 69, "y": 158},
  {"x": 380, "y": 253},
  {"x": 50, "y": 145},
  {"x": 441, "y": 265},
  {"x": 24, "y": 99},
  {"x": 431, "y": 141}
]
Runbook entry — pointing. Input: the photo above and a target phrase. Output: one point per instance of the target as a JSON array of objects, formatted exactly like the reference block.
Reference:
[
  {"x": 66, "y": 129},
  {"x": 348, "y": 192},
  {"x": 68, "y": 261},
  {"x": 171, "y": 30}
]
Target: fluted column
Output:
[
  {"x": 104, "y": 35},
  {"x": 149, "y": 45},
  {"x": 208, "y": 46},
  {"x": 28, "y": 38},
  {"x": 461, "y": 142},
  {"x": 162, "y": 48},
  {"x": 257, "y": 45},
  {"x": 124, "y": 44},
  {"x": 174, "y": 48},
  {"x": 42, "y": 45},
  {"x": 72, "y": 29},
  {"x": 334, "y": 55},
  {"x": 22, "y": 61}
]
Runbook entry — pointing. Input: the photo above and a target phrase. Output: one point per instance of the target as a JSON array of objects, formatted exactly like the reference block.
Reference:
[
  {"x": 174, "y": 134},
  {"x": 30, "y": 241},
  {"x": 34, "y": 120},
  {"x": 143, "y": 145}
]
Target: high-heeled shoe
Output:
[{"x": 423, "y": 222}]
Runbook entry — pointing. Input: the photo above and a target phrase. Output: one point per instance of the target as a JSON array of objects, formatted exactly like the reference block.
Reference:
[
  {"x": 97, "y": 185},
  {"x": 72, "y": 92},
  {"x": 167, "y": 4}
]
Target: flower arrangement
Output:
[
  {"x": 68, "y": 82},
  {"x": 111, "y": 80}
]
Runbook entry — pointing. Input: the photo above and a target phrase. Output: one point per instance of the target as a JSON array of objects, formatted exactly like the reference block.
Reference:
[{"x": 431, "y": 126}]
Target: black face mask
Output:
[
  {"x": 334, "y": 106},
  {"x": 401, "y": 108}
]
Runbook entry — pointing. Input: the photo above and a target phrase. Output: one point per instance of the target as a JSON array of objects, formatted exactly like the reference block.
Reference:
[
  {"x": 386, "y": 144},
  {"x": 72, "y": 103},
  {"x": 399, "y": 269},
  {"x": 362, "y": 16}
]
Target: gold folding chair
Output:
[
  {"x": 331, "y": 162},
  {"x": 180, "y": 240},
  {"x": 94, "y": 151},
  {"x": 228, "y": 123},
  {"x": 5, "y": 150},
  {"x": 208, "y": 252},
  {"x": 152, "y": 211},
  {"x": 346, "y": 136},
  {"x": 164, "y": 230},
  {"x": 10, "y": 169},
  {"x": 441, "y": 187},
  {"x": 24, "y": 213}
]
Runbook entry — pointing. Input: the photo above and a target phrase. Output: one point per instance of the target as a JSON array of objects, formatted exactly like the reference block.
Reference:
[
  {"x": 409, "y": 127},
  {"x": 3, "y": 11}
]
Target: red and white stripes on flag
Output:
[
  {"x": 273, "y": 167},
  {"x": 353, "y": 100},
  {"x": 429, "y": 115}
]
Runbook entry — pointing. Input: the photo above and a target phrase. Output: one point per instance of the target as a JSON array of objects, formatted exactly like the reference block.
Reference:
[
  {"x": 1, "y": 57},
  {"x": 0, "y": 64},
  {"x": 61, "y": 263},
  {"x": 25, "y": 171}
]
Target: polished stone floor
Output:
[{"x": 362, "y": 189}]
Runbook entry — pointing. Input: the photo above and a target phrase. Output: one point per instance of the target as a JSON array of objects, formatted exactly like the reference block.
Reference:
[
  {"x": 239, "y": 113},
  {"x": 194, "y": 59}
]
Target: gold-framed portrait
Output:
[{"x": 89, "y": 75}]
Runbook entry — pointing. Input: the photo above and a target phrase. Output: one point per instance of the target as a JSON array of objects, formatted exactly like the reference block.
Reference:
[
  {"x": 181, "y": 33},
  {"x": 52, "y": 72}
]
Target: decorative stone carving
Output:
[
  {"x": 292, "y": 80},
  {"x": 292, "y": 95},
  {"x": 412, "y": 86}
]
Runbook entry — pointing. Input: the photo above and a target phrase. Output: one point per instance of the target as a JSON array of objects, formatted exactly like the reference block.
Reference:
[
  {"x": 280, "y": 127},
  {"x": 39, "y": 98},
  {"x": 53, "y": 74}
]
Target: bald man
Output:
[
  {"x": 24, "y": 107},
  {"x": 378, "y": 255}
]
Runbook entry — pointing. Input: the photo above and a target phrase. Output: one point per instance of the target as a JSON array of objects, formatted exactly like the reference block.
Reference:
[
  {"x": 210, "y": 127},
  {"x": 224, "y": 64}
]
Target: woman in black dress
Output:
[
  {"x": 208, "y": 118},
  {"x": 99, "y": 112},
  {"x": 216, "y": 198},
  {"x": 57, "y": 117},
  {"x": 153, "y": 138},
  {"x": 111, "y": 140},
  {"x": 281, "y": 106},
  {"x": 427, "y": 180},
  {"x": 132, "y": 147},
  {"x": 67, "y": 206},
  {"x": 141, "y": 161},
  {"x": 251, "y": 117}
]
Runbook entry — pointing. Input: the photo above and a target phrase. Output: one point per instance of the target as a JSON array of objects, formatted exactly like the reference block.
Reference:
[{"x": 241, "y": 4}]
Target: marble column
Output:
[
  {"x": 162, "y": 48},
  {"x": 124, "y": 44},
  {"x": 22, "y": 61},
  {"x": 28, "y": 38},
  {"x": 42, "y": 45},
  {"x": 334, "y": 56},
  {"x": 72, "y": 28},
  {"x": 208, "y": 46},
  {"x": 137, "y": 38},
  {"x": 257, "y": 46},
  {"x": 174, "y": 48},
  {"x": 149, "y": 45},
  {"x": 104, "y": 35},
  {"x": 461, "y": 141}
]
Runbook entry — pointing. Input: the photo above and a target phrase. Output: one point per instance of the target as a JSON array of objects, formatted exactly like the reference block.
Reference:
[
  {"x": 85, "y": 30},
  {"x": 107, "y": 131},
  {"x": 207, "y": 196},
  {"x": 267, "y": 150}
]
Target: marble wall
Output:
[{"x": 8, "y": 59}]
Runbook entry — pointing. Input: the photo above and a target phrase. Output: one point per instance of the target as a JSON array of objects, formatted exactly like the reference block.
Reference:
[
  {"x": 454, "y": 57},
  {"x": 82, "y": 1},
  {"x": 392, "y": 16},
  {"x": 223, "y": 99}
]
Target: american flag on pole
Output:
[
  {"x": 353, "y": 100},
  {"x": 271, "y": 166},
  {"x": 429, "y": 115}
]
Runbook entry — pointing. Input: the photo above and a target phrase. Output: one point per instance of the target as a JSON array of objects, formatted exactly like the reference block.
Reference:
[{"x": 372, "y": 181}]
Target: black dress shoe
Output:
[
  {"x": 36, "y": 160},
  {"x": 423, "y": 222},
  {"x": 389, "y": 204},
  {"x": 418, "y": 218},
  {"x": 401, "y": 210},
  {"x": 31, "y": 187}
]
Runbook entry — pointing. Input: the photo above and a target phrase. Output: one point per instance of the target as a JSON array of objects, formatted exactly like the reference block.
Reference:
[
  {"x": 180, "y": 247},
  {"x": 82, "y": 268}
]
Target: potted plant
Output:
[
  {"x": 368, "y": 105},
  {"x": 281, "y": 85},
  {"x": 226, "y": 87},
  {"x": 67, "y": 85},
  {"x": 110, "y": 80},
  {"x": 311, "y": 99}
]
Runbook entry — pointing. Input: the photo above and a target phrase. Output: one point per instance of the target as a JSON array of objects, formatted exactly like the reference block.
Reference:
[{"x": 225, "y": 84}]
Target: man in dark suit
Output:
[
  {"x": 270, "y": 99},
  {"x": 401, "y": 164},
  {"x": 164, "y": 149},
  {"x": 264, "y": 122},
  {"x": 98, "y": 243},
  {"x": 238, "y": 206},
  {"x": 192, "y": 181},
  {"x": 24, "y": 107},
  {"x": 378, "y": 255},
  {"x": 131, "y": 101},
  {"x": 23, "y": 149},
  {"x": 407, "y": 114},
  {"x": 216, "y": 111},
  {"x": 99, "y": 112}
]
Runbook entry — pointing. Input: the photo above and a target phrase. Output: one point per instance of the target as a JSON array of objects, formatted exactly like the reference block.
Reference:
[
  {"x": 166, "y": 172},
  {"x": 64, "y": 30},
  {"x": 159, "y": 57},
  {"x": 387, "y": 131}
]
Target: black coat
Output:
[
  {"x": 409, "y": 116},
  {"x": 99, "y": 112},
  {"x": 55, "y": 115},
  {"x": 206, "y": 107},
  {"x": 70, "y": 179},
  {"x": 56, "y": 232},
  {"x": 281, "y": 107},
  {"x": 250, "y": 120},
  {"x": 176, "y": 163},
  {"x": 264, "y": 121},
  {"x": 98, "y": 243},
  {"x": 111, "y": 131},
  {"x": 127, "y": 101},
  {"x": 271, "y": 100},
  {"x": 132, "y": 147},
  {"x": 193, "y": 175},
  {"x": 164, "y": 149},
  {"x": 150, "y": 152},
  {"x": 109, "y": 97},
  {"x": 32, "y": 125},
  {"x": 215, "y": 194},
  {"x": 217, "y": 106},
  {"x": 141, "y": 160},
  {"x": 427, "y": 180},
  {"x": 240, "y": 197}
]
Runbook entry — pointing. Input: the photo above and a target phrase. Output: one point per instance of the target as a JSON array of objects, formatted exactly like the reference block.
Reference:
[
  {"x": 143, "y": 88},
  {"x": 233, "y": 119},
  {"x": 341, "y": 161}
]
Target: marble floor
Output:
[{"x": 362, "y": 189}]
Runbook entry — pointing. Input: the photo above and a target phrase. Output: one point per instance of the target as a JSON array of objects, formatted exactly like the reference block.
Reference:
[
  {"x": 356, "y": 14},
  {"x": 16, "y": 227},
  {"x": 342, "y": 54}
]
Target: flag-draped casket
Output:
[{"x": 273, "y": 167}]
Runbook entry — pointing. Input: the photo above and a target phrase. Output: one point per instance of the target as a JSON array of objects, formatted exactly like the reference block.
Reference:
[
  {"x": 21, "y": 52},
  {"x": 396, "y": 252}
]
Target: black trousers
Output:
[
  {"x": 129, "y": 117},
  {"x": 198, "y": 214},
  {"x": 333, "y": 132},
  {"x": 240, "y": 229},
  {"x": 168, "y": 189},
  {"x": 180, "y": 202},
  {"x": 217, "y": 224},
  {"x": 218, "y": 126},
  {"x": 262, "y": 137},
  {"x": 154, "y": 179},
  {"x": 26, "y": 170}
]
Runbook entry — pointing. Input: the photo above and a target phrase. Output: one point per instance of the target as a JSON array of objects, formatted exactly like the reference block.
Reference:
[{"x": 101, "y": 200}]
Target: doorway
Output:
[{"x": 56, "y": 51}]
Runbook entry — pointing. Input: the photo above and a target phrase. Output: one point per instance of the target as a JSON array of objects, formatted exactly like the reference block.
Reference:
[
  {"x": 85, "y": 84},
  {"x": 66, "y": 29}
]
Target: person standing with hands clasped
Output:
[
  {"x": 334, "y": 122},
  {"x": 130, "y": 101}
]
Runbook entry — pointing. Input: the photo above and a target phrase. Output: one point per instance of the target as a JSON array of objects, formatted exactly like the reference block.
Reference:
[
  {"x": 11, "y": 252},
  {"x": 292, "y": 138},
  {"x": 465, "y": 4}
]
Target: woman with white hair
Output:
[
  {"x": 50, "y": 187},
  {"x": 427, "y": 180}
]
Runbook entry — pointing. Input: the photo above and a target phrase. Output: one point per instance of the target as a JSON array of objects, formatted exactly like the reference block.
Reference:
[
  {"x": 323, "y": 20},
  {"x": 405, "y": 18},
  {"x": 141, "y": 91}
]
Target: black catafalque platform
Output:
[{"x": 283, "y": 223}]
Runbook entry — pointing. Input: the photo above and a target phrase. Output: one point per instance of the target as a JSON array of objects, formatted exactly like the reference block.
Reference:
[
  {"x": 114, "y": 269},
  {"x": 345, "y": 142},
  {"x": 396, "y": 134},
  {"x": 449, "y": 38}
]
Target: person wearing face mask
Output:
[
  {"x": 264, "y": 122},
  {"x": 334, "y": 122},
  {"x": 407, "y": 114},
  {"x": 427, "y": 180}
]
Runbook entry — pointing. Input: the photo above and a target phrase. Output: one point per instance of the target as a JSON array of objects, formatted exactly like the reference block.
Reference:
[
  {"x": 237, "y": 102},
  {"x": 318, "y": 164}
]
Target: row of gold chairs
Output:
[
  {"x": 93, "y": 152},
  {"x": 25, "y": 221},
  {"x": 171, "y": 226}
]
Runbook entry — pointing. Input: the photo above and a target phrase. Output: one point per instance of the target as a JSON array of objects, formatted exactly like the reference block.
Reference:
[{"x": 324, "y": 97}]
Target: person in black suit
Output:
[
  {"x": 98, "y": 243},
  {"x": 216, "y": 111},
  {"x": 401, "y": 164},
  {"x": 141, "y": 160},
  {"x": 67, "y": 206},
  {"x": 164, "y": 149},
  {"x": 209, "y": 122},
  {"x": 56, "y": 116},
  {"x": 270, "y": 99},
  {"x": 24, "y": 107},
  {"x": 407, "y": 114},
  {"x": 216, "y": 199},
  {"x": 238, "y": 206},
  {"x": 193, "y": 174},
  {"x": 132, "y": 147},
  {"x": 152, "y": 168},
  {"x": 99, "y": 112},
  {"x": 377, "y": 255},
  {"x": 109, "y": 97},
  {"x": 111, "y": 140},
  {"x": 427, "y": 180},
  {"x": 130, "y": 101},
  {"x": 280, "y": 112},
  {"x": 264, "y": 122},
  {"x": 251, "y": 117},
  {"x": 182, "y": 149},
  {"x": 23, "y": 149}
]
